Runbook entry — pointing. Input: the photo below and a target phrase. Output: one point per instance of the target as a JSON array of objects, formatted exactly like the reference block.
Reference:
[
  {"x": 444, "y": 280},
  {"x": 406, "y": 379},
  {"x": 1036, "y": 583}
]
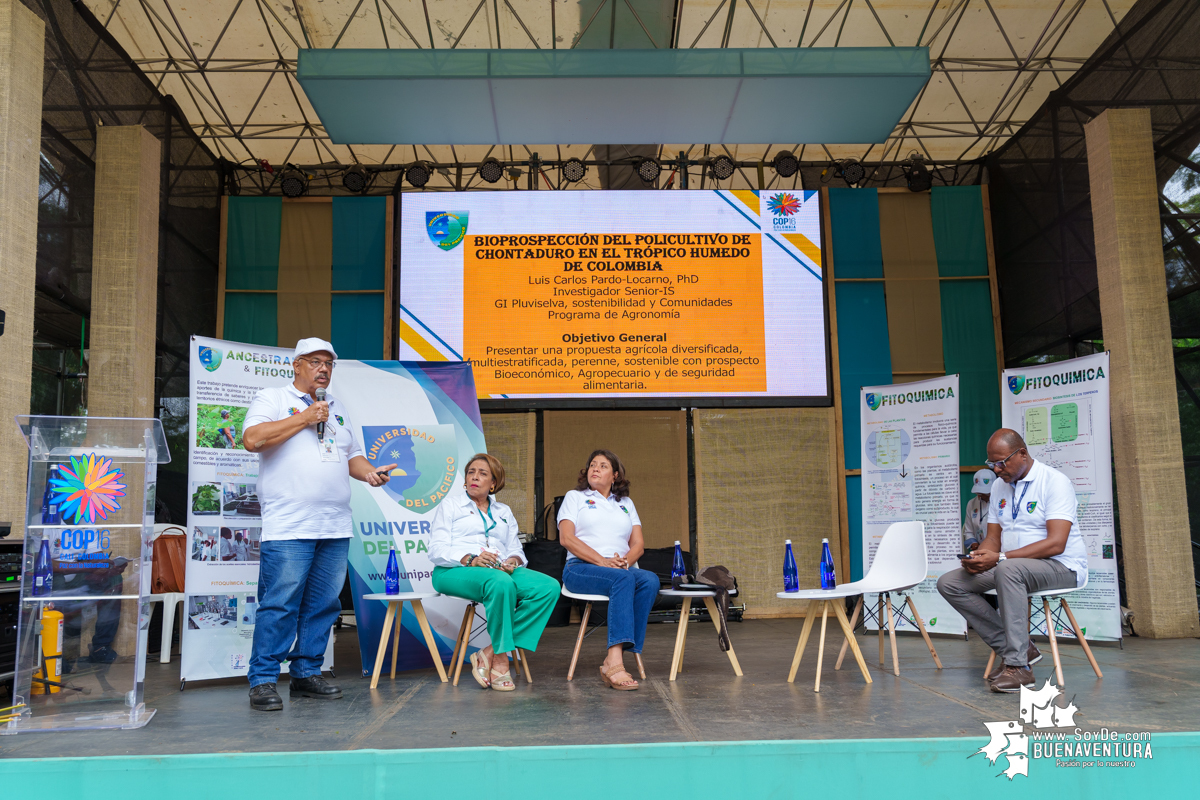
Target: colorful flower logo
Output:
[
  {"x": 784, "y": 205},
  {"x": 1003, "y": 503},
  {"x": 88, "y": 489},
  {"x": 591, "y": 503}
]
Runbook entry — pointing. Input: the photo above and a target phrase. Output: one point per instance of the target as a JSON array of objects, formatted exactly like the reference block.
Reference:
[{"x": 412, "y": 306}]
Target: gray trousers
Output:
[{"x": 1013, "y": 579}]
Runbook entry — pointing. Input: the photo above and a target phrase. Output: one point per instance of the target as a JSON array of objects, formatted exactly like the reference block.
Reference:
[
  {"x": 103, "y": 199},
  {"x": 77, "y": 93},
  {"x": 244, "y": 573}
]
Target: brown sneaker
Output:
[
  {"x": 1011, "y": 679},
  {"x": 1032, "y": 656}
]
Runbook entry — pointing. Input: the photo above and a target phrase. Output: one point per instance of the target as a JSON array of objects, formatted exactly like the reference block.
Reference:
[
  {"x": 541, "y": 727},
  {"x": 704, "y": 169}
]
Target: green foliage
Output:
[
  {"x": 209, "y": 423},
  {"x": 206, "y": 499}
]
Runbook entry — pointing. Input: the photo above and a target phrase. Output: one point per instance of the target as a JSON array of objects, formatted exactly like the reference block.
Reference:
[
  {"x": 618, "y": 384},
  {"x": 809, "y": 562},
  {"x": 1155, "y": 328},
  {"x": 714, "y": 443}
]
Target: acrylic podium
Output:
[{"x": 85, "y": 582}]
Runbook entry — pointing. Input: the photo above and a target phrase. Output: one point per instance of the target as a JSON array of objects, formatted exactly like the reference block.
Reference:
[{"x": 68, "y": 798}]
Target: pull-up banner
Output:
[
  {"x": 910, "y": 472},
  {"x": 1062, "y": 411},
  {"x": 422, "y": 416}
]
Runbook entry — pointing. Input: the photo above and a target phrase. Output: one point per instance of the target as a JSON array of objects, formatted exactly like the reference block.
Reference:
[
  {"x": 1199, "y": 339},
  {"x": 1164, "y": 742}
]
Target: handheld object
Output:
[{"x": 320, "y": 393}]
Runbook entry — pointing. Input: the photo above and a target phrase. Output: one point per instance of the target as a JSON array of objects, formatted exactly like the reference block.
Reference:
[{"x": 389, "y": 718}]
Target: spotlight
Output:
[
  {"x": 721, "y": 167},
  {"x": 916, "y": 174},
  {"x": 418, "y": 173},
  {"x": 648, "y": 169},
  {"x": 786, "y": 165},
  {"x": 491, "y": 170},
  {"x": 356, "y": 179},
  {"x": 851, "y": 171},
  {"x": 573, "y": 170},
  {"x": 293, "y": 182}
]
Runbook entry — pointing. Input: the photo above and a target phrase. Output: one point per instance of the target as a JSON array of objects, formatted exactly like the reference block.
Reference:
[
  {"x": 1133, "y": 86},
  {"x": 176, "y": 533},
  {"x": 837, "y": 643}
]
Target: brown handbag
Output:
[{"x": 170, "y": 560}]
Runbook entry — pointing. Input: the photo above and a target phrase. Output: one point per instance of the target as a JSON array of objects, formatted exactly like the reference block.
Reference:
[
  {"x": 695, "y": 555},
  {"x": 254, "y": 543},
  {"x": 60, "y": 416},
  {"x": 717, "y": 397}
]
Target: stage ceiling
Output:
[{"x": 231, "y": 65}]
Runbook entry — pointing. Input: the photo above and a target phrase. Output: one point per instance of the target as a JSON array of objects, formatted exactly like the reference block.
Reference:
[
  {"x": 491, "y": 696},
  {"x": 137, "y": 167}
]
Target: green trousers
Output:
[{"x": 517, "y": 606}]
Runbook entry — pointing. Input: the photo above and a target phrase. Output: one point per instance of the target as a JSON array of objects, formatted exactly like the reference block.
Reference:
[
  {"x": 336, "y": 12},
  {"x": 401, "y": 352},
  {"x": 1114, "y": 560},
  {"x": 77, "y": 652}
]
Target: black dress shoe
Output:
[
  {"x": 315, "y": 686},
  {"x": 263, "y": 697}
]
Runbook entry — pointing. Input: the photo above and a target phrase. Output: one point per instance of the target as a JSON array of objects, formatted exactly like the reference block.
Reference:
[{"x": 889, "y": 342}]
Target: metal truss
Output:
[{"x": 232, "y": 68}]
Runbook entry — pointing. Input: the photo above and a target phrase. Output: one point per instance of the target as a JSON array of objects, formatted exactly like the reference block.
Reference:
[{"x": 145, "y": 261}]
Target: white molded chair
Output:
[
  {"x": 584, "y": 632},
  {"x": 1060, "y": 595}
]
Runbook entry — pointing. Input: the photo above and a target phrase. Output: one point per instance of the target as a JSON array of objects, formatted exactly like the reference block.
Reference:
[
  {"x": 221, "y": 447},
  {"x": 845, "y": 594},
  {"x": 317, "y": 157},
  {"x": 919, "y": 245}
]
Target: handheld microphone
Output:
[{"x": 320, "y": 425}]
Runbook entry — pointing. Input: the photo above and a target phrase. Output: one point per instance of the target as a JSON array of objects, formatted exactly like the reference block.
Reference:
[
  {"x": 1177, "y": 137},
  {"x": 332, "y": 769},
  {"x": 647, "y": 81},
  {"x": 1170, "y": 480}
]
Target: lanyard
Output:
[
  {"x": 487, "y": 529},
  {"x": 1016, "y": 502}
]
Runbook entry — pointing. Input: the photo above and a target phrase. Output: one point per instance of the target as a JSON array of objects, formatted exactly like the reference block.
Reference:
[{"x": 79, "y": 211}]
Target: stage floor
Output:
[{"x": 1148, "y": 686}]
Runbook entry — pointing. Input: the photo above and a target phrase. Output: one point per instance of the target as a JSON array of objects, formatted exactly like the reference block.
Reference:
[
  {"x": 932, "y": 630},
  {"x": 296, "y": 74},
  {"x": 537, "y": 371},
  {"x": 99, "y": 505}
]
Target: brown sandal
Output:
[{"x": 620, "y": 686}]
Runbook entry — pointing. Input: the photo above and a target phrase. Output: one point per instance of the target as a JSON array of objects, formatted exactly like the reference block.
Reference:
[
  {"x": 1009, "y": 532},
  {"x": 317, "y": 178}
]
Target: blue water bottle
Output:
[
  {"x": 678, "y": 570},
  {"x": 828, "y": 579},
  {"x": 791, "y": 578},
  {"x": 50, "y": 513},
  {"x": 391, "y": 576},
  {"x": 43, "y": 575}
]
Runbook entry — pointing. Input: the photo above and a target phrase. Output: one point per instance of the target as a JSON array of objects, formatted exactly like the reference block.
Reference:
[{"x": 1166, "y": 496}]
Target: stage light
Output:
[
  {"x": 721, "y": 168},
  {"x": 293, "y": 182},
  {"x": 573, "y": 170},
  {"x": 356, "y": 179},
  {"x": 648, "y": 169},
  {"x": 418, "y": 173},
  {"x": 916, "y": 174},
  {"x": 851, "y": 171},
  {"x": 491, "y": 170},
  {"x": 786, "y": 165}
]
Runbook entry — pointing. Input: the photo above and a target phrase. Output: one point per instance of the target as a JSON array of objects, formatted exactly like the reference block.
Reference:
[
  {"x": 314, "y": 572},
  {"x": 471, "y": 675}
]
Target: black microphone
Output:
[{"x": 320, "y": 425}]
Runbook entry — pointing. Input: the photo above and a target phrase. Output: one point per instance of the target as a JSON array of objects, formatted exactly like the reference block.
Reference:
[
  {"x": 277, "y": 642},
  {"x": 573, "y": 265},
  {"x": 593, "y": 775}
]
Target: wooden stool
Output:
[
  {"x": 464, "y": 637},
  {"x": 1061, "y": 596},
  {"x": 395, "y": 610},
  {"x": 681, "y": 634}
]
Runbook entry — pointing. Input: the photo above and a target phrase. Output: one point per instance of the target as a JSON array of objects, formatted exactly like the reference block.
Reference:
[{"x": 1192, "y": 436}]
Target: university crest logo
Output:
[
  {"x": 873, "y": 400},
  {"x": 1016, "y": 383},
  {"x": 1030, "y": 506},
  {"x": 426, "y": 462},
  {"x": 446, "y": 229},
  {"x": 210, "y": 358}
]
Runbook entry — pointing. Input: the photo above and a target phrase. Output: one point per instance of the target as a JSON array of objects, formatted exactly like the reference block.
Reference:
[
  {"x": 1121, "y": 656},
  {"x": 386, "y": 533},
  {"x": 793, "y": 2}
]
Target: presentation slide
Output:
[{"x": 617, "y": 294}]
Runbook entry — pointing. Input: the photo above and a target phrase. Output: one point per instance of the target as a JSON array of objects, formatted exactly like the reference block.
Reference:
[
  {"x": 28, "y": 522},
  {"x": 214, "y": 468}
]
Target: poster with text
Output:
[
  {"x": 423, "y": 417},
  {"x": 1062, "y": 412},
  {"x": 910, "y": 471}
]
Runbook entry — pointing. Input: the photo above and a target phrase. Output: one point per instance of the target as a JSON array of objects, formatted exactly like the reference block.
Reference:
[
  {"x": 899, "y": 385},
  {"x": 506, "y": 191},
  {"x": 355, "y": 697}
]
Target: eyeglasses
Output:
[
  {"x": 993, "y": 464},
  {"x": 318, "y": 363}
]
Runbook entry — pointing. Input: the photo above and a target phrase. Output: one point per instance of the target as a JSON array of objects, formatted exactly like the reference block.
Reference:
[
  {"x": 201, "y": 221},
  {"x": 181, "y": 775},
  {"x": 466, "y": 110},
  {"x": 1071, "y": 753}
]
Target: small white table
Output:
[
  {"x": 395, "y": 609},
  {"x": 681, "y": 634}
]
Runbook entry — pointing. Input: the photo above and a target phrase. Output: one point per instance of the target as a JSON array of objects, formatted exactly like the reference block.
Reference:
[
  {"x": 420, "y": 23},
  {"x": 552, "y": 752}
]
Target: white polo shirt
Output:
[
  {"x": 459, "y": 530},
  {"x": 302, "y": 496},
  {"x": 602, "y": 523},
  {"x": 1043, "y": 494}
]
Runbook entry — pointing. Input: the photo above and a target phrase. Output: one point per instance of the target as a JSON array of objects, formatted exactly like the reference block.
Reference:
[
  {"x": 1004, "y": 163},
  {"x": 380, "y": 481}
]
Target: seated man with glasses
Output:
[
  {"x": 307, "y": 456},
  {"x": 1031, "y": 545}
]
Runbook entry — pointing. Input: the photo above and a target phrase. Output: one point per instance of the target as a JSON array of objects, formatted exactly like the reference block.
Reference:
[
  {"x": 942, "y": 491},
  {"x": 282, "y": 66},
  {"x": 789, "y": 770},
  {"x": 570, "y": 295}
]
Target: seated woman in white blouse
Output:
[
  {"x": 478, "y": 556},
  {"x": 599, "y": 526}
]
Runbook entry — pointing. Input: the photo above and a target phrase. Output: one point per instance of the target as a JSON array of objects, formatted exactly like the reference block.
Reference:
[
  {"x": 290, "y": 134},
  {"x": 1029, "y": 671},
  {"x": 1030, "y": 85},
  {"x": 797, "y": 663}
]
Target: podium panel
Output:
[{"x": 85, "y": 582}]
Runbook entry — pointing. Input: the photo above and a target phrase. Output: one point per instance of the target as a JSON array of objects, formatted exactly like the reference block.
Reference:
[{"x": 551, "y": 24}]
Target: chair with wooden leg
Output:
[
  {"x": 466, "y": 631},
  {"x": 681, "y": 633},
  {"x": 395, "y": 610},
  {"x": 1050, "y": 618},
  {"x": 588, "y": 599}
]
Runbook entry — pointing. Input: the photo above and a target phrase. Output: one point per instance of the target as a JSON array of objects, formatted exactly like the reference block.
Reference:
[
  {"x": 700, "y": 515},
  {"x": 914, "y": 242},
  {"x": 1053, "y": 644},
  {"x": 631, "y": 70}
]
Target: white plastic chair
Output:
[
  {"x": 1060, "y": 595},
  {"x": 584, "y": 632}
]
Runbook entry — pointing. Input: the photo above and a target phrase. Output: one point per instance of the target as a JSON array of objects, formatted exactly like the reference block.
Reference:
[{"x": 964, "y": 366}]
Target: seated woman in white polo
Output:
[
  {"x": 600, "y": 528},
  {"x": 478, "y": 556}
]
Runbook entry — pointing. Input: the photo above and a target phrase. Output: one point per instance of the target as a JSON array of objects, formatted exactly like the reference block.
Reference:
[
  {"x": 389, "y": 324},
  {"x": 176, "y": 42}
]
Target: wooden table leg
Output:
[
  {"x": 383, "y": 639},
  {"x": 809, "y": 617},
  {"x": 1053, "y": 642},
  {"x": 924, "y": 633},
  {"x": 396, "y": 636},
  {"x": 892, "y": 635},
  {"x": 821, "y": 645},
  {"x": 853, "y": 622},
  {"x": 683, "y": 650},
  {"x": 468, "y": 621},
  {"x": 849, "y": 631},
  {"x": 711, "y": 603},
  {"x": 1082, "y": 639},
  {"x": 587, "y": 612},
  {"x": 879, "y": 619},
  {"x": 680, "y": 633},
  {"x": 423, "y": 621}
]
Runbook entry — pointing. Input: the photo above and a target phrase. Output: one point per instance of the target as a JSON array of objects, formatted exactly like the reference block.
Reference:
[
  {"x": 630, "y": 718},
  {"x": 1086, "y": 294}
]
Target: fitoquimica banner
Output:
[
  {"x": 1062, "y": 411},
  {"x": 422, "y": 416}
]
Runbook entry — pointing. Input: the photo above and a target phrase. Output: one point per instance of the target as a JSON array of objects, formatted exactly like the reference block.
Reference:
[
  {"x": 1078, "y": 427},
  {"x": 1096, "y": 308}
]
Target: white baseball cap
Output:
[
  {"x": 983, "y": 482},
  {"x": 312, "y": 345}
]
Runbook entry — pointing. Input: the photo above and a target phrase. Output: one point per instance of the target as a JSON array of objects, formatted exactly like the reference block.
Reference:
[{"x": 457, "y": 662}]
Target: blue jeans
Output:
[
  {"x": 299, "y": 581},
  {"x": 631, "y": 594}
]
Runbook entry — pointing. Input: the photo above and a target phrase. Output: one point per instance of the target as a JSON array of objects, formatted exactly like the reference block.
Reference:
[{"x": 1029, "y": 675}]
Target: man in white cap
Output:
[
  {"x": 974, "y": 527},
  {"x": 304, "y": 489}
]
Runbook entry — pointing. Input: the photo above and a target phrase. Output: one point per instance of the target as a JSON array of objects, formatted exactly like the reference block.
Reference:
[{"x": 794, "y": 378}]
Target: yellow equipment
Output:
[{"x": 52, "y": 646}]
